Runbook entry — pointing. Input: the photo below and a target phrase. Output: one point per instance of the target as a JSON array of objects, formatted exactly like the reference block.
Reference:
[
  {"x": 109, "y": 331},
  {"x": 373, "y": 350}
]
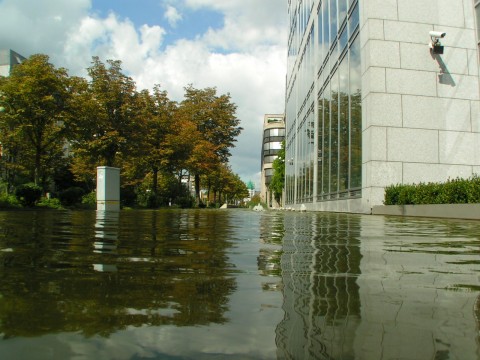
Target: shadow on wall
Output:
[{"x": 444, "y": 77}]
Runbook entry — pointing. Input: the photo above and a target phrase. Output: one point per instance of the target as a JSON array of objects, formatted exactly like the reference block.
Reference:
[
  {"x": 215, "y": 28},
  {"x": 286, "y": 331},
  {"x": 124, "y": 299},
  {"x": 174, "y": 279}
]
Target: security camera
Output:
[
  {"x": 437, "y": 34},
  {"x": 435, "y": 44}
]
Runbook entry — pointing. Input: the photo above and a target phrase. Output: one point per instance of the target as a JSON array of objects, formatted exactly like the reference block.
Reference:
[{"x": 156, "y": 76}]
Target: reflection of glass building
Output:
[
  {"x": 368, "y": 104},
  {"x": 273, "y": 135},
  {"x": 320, "y": 267}
]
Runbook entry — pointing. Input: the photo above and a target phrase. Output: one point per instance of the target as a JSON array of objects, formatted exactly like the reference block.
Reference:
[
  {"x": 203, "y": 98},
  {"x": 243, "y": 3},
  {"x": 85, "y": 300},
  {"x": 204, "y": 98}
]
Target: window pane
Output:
[
  {"x": 334, "y": 135},
  {"x": 276, "y": 145},
  {"x": 333, "y": 20},
  {"x": 326, "y": 26},
  {"x": 344, "y": 125},
  {"x": 343, "y": 38},
  {"x": 326, "y": 141},
  {"x": 342, "y": 10},
  {"x": 354, "y": 20},
  {"x": 355, "y": 116},
  {"x": 320, "y": 145},
  {"x": 320, "y": 36}
]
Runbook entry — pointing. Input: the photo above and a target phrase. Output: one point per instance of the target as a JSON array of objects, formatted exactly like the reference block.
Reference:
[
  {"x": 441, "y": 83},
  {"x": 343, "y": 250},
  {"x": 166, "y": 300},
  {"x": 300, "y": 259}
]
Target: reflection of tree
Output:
[
  {"x": 175, "y": 273},
  {"x": 340, "y": 147},
  {"x": 320, "y": 265},
  {"x": 305, "y": 166}
]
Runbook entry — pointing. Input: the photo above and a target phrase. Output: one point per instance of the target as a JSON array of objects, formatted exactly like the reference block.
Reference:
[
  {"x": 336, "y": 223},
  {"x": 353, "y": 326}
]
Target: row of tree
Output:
[{"x": 55, "y": 129}]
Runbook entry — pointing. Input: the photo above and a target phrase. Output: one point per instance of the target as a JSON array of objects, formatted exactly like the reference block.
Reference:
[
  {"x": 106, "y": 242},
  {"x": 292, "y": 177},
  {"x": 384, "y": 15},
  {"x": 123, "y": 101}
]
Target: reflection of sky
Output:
[{"x": 249, "y": 332}]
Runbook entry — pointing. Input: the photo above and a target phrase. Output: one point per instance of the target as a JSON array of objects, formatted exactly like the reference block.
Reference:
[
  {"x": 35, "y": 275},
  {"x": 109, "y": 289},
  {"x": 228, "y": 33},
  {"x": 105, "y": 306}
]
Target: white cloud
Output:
[
  {"x": 30, "y": 26},
  {"x": 246, "y": 57},
  {"x": 172, "y": 15}
]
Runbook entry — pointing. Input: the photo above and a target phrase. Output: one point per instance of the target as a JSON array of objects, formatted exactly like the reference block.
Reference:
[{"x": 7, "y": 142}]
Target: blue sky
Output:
[
  {"x": 237, "y": 46},
  {"x": 152, "y": 12}
]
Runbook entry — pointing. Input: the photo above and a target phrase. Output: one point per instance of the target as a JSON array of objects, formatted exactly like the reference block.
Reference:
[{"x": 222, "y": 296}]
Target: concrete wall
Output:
[{"x": 421, "y": 112}]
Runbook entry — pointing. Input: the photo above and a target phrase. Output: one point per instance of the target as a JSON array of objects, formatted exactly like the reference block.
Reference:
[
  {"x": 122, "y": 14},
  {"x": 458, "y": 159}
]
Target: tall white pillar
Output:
[{"x": 108, "y": 188}]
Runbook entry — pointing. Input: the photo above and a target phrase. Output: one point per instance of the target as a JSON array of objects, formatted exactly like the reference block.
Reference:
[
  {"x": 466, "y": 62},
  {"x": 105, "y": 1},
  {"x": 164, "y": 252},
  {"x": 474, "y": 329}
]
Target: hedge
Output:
[{"x": 454, "y": 191}]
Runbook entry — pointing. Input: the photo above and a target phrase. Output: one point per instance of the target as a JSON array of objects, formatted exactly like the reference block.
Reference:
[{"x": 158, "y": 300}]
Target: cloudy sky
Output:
[{"x": 237, "y": 46}]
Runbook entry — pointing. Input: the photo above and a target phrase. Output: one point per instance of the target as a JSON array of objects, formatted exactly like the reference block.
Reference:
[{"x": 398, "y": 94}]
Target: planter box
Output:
[{"x": 452, "y": 211}]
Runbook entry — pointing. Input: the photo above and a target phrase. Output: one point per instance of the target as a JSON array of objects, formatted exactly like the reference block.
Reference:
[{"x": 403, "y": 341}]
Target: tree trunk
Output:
[
  {"x": 155, "y": 181},
  {"x": 197, "y": 190},
  {"x": 208, "y": 192},
  {"x": 36, "y": 171}
]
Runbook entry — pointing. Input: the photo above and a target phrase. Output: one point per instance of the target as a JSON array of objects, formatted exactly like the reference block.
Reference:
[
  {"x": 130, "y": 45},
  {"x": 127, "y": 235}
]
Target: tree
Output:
[
  {"x": 236, "y": 189},
  {"x": 278, "y": 179},
  {"x": 214, "y": 129},
  {"x": 33, "y": 130},
  {"x": 153, "y": 150},
  {"x": 106, "y": 123}
]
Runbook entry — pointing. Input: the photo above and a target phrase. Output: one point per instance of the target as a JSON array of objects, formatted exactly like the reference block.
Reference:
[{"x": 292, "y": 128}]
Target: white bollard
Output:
[{"x": 108, "y": 188}]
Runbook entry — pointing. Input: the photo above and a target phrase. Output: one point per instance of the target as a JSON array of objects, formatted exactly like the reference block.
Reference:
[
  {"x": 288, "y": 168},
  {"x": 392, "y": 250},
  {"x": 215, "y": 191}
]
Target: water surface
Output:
[{"x": 237, "y": 284}]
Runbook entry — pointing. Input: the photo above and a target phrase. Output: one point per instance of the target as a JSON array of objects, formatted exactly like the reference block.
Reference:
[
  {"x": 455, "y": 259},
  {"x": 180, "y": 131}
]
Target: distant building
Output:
[
  {"x": 273, "y": 135},
  {"x": 251, "y": 190},
  {"x": 8, "y": 59}
]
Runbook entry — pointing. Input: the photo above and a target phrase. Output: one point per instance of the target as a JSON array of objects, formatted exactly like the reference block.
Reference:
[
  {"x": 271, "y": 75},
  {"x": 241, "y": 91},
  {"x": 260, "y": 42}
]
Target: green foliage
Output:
[
  {"x": 255, "y": 200},
  {"x": 185, "y": 202},
  {"x": 33, "y": 130},
  {"x": 28, "y": 194},
  {"x": 8, "y": 201},
  {"x": 89, "y": 200},
  {"x": 210, "y": 127},
  {"x": 55, "y": 129},
  {"x": 278, "y": 179},
  {"x": 454, "y": 191},
  {"x": 71, "y": 196},
  {"x": 52, "y": 203}
]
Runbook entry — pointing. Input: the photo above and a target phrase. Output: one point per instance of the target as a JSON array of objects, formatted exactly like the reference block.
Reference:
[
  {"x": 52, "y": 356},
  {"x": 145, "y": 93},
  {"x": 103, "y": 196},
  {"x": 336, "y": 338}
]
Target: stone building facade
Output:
[{"x": 369, "y": 103}]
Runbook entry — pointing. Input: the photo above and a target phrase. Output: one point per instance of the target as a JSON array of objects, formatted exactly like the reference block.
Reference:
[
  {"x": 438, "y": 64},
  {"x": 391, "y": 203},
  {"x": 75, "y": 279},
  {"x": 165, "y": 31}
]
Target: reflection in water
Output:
[
  {"x": 366, "y": 287},
  {"x": 320, "y": 263},
  {"x": 418, "y": 287},
  {"x": 176, "y": 272},
  {"x": 106, "y": 237},
  {"x": 271, "y": 233},
  {"x": 237, "y": 284}
]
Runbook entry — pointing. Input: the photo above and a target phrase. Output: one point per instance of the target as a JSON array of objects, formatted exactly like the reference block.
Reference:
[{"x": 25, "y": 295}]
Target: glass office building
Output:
[{"x": 370, "y": 104}]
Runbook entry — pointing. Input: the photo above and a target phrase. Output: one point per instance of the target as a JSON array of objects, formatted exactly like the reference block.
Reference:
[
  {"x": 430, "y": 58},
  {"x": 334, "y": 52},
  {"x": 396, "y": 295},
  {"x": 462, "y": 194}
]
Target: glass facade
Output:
[{"x": 323, "y": 106}]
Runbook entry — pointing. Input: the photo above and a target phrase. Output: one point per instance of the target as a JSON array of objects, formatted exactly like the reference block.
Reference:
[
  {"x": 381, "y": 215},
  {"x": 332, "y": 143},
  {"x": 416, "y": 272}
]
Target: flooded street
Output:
[{"x": 237, "y": 284}]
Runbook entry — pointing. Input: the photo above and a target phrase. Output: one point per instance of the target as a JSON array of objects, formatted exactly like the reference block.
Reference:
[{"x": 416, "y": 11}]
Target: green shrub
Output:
[
  {"x": 185, "y": 202},
  {"x": 426, "y": 193},
  {"x": 89, "y": 200},
  {"x": 71, "y": 196},
  {"x": 406, "y": 195},
  {"x": 28, "y": 194},
  {"x": 52, "y": 203},
  {"x": 9, "y": 201},
  {"x": 391, "y": 194},
  {"x": 454, "y": 191},
  {"x": 473, "y": 190}
]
